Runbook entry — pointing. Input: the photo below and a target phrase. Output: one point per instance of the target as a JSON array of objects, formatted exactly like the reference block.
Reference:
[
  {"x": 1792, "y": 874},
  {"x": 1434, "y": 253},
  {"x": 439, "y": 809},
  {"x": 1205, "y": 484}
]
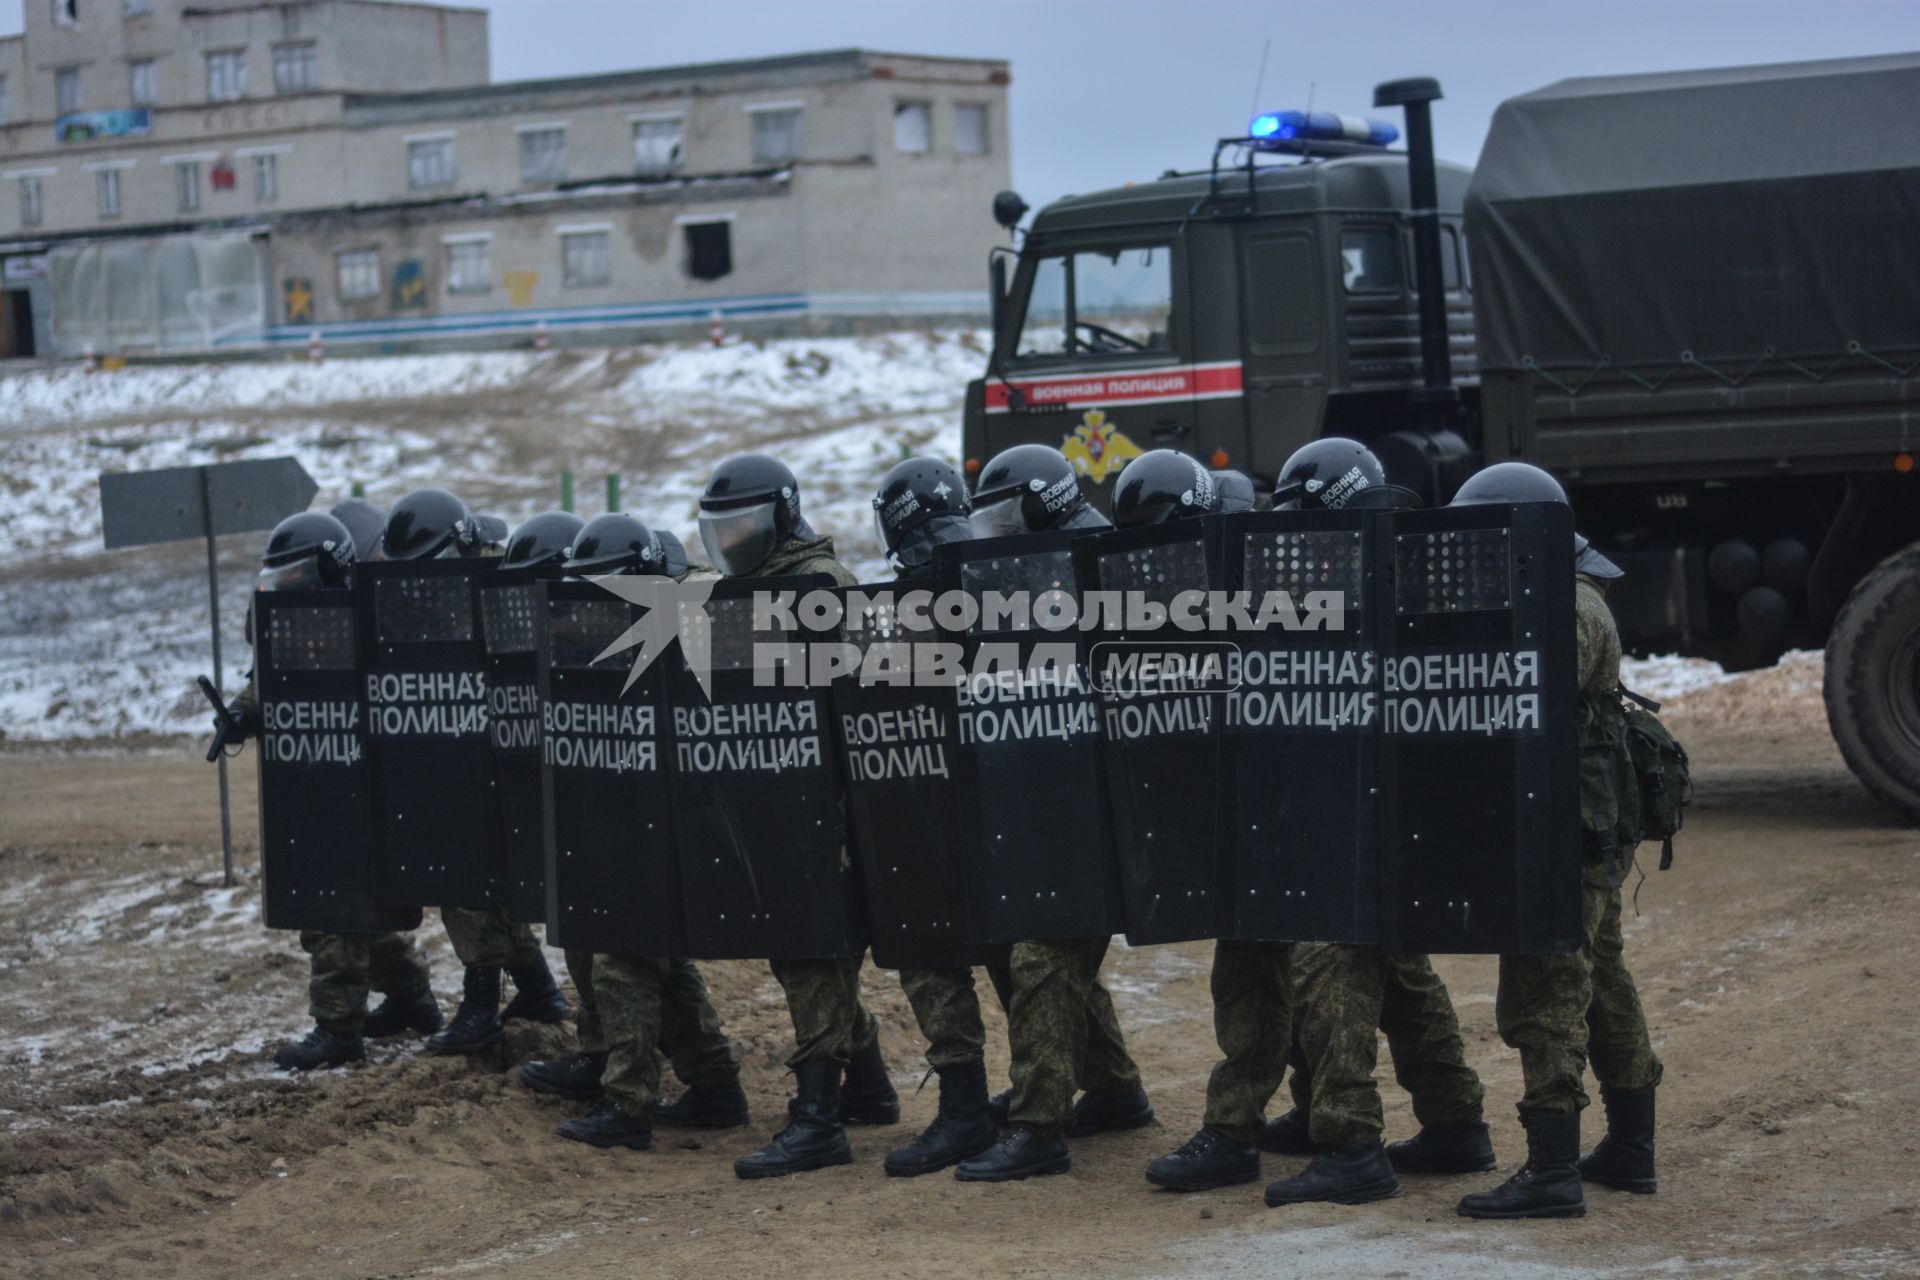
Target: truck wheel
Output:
[{"x": 1873, "y": 681}]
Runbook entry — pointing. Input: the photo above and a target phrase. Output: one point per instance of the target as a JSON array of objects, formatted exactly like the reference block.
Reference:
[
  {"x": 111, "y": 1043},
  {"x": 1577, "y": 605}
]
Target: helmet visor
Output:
[
  {"x": 917, "y": 544},
  {"x": 999, "y": 518},
  {"x": 301, "y": 575},
  {"x": 739, "y": 539}
]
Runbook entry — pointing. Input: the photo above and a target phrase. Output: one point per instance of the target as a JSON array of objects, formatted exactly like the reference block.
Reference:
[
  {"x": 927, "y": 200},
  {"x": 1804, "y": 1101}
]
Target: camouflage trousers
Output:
[
  {"x": 1344, "y": 994},
  {"x": 1064, "y": 1033},
  {"x": 1253, "y": 1022},
  {"x": 587, "y": 1027},
  {"x": 345, "y": 966},
  {"x": 1558, "y": 1010},
  {"x": 487, "y": 939},
  {"x": 650, "y": 1008},
  {"x": 823, "y": 999},
  {"x": 946, "y": 1004}
]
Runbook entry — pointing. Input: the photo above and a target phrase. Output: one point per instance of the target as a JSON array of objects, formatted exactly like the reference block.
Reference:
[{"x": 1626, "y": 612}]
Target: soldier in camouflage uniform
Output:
[
  {"x": 1555, "y": 1009},
  {"x": 751, "y": 525}
]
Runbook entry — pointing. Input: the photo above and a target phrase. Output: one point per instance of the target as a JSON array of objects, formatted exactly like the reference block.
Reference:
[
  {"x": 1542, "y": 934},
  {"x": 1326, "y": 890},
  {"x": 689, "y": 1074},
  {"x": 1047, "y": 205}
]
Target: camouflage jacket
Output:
[
  {"x": 799, "y": 555},
  {"x": 1598, "y": 667}
]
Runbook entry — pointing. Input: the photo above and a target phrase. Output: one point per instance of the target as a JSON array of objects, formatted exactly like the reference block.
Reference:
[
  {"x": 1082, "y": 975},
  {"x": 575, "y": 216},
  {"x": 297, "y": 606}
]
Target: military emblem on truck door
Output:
[{"x": 1097, "y": 448}]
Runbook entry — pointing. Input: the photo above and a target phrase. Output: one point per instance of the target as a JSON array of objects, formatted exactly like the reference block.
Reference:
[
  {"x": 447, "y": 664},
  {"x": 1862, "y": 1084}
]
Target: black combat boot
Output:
[
  {"x": 1099, "y": 1112},
  {"x": 813, "y": 1138},
  {"x": 868, "y": 1096},
  {"x": 575, "y": 1076},
  {"x": 1286, "y": 1135},
  {"x": 1020, "y": 1153},
  {"x": 535, "y": 997},
  {"x": 608, "y": 1126},
  {"x": 418, "y": 1013},
  {"x": 1209, "y": 1159},
  {"x": 1359, "y": 1174},
  {"x": 476, "y": 1023},
  {"x": 999, "y": 1106},
  {"x": 1548, "y": 1184},
  {"x": 323, "y": 1046},
  {"x": 1624, "y": 1158},
  {"x": 705, "y": 1106},
  {"x": 960, "y": 1129},
  {"x": 1444, "y": 1148}
]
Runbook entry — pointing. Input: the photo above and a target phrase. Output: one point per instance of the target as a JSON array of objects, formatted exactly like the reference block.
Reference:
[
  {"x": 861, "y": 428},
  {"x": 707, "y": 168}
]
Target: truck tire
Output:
[{"x": 1873, "y": 681}]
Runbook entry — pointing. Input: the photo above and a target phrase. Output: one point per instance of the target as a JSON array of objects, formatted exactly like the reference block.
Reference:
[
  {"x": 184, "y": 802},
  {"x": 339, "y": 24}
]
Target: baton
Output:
[{"x": 225, "y": 719}]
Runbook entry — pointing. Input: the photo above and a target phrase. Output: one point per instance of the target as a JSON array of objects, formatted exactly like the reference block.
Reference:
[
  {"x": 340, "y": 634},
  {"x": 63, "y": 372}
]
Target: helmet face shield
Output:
[
  {"x": 739, "y": 539},
  {"x": 301, "y": 575},
  {"x": 1000, "y": 517},
  {"x": 918, "y": 543}
]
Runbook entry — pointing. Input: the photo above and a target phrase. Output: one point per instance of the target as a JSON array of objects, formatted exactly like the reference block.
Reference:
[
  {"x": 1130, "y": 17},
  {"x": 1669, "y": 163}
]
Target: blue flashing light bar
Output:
[{"x": 1322, "y": 126}]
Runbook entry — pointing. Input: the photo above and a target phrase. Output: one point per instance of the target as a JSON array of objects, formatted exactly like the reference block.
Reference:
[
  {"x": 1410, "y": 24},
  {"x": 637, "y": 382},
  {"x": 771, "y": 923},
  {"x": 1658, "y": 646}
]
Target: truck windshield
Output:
[{"x": 1098, "y": 302}]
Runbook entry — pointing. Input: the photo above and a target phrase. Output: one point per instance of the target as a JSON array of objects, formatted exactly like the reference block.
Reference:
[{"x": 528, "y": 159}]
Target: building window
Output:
[
  {"x": 430, "y": 163},
  {"x": 657, "y": 146},
  {"x": 357, "y": 274},
  {"x": 543, "y": 155},
  {"x": 3, "y": 97},
  {"x": 266, "y": 179},
  {"x": 294, "y": 68},
  {"x": 139, "y": 8},
  {"x": 776, "y": 135},
  {"x": 186, "y": 181},
  {"x": 30, "y": 208},
  {"x": 583, "y": 259},
  {"x": 66, "y": 90},
  {"x": 913, "y": 126},
  {"x": 470, "y": 266},
  {"x": 107, "y": 184},
  {"x": 141, "y": 82},
  {"x": 709, "y": 249},
  {"x": 227, "y": 75},
  {"x": 66, "y": 13},
  {"x": 970, "y": 128}
]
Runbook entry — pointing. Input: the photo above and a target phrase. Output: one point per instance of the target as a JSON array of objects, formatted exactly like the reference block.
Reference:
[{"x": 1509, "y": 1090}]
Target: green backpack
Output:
[{"x": 1656, "y": 785}]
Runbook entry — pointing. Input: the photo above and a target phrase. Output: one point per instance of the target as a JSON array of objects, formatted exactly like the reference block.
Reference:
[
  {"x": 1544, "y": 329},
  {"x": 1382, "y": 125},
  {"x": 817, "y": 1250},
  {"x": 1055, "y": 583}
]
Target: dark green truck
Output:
[{"x": 1694, "y": 296}]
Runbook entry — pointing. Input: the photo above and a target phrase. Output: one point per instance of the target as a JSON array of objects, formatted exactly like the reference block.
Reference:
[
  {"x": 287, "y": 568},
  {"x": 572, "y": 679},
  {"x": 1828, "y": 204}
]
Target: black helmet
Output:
[
  {"x": 676, "y": 555},
  {"x": 1327, "y": 475},
  {"x": 1523, "y": 482},
  {"x": 615, "y": 543},
  {"x": 750, "y": 506},
  {"x": 542, "y": 540},
  {"x": 1030, "y": 488},
  {"x": 1236, "y": 492},
  {"x": 364, "y": 520},
  {"x": 432, "y": 523},
  {"x": 1161, "y": 485},
  {"x": 309, "y": 551},
  {"x": 922, "y": 503}
]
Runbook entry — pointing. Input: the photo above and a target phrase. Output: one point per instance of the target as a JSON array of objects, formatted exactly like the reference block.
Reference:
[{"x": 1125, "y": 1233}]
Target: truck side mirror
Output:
[{"x": 1008, "y": 209}]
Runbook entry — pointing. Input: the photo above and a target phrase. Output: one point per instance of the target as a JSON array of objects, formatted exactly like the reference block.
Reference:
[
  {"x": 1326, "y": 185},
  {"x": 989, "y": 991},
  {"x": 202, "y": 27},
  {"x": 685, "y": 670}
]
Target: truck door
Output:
[{"x": 1282, "y": 309}]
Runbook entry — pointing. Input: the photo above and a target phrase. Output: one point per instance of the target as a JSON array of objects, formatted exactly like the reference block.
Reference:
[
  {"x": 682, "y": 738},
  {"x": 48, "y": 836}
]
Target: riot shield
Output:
[
  {"x": 427, "y": 747},
  {"x": 1480, "y": 833},
  {"x": 506, "y": 601},
  {"x": 1033, "y": 798},
  {"x": 1297, "y": 796},
  {"x": 764, "y": 872},
  {"x": 896, "y": 745},
  {"x": 1160, "y": 689},
  {"x": 317, "y": 836},
  {"x": 612, "y": 879}
]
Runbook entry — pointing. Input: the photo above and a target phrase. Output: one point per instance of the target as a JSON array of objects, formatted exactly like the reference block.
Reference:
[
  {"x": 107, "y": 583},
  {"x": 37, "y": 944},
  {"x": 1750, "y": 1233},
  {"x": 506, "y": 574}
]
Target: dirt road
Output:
[{"x": 142, "y": 1132}]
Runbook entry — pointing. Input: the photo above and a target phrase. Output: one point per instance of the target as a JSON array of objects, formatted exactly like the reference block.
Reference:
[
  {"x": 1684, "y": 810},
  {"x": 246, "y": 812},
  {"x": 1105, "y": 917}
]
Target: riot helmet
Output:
[
  {"x": 675, "y": 555},
  {"x": 310, "y": 551},
  {"x": 1030, "y": 488},
  {"x": 1162, "y": 485},
  {"x": 750, "y": 506},
  {"x": 615, "y": 543},
  {"x": 922, "y": 503},
  {"x": 1327, "y": 475},
  {"x": 1505, "y": 482},
  {"x": 432, "y": 524},
  {"x": 1236, "y": 492},
  {"x": 364, "y": 520},
  {"x": 542, "y": 541}
]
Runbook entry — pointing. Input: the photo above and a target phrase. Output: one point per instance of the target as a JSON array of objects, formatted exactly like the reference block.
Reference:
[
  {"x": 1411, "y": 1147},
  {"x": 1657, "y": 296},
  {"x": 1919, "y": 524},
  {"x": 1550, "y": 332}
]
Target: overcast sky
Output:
[{"x": 1110, "y": 90}]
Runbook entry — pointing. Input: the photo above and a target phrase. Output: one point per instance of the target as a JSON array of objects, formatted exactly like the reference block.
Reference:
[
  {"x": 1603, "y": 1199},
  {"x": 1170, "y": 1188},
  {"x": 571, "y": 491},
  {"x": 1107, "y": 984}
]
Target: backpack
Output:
[{"x": 1658, "y": 784}]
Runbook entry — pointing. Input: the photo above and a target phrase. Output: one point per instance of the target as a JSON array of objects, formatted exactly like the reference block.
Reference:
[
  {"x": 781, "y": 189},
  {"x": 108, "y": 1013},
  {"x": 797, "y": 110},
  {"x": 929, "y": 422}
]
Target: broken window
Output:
[
  {"x": 709, "y": 249},
  {"x": 913, "y": 126},
  {"x": 657, "y": 146}
]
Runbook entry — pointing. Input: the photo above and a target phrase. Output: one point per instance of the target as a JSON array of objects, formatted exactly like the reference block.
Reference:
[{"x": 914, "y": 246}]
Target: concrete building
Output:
[{"x": 182, "y": 175}]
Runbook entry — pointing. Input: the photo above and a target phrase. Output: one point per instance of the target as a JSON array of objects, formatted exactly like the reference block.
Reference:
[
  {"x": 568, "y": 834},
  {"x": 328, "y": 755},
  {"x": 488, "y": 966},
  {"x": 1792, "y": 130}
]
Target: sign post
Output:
[{"x": 140, "y": 508}]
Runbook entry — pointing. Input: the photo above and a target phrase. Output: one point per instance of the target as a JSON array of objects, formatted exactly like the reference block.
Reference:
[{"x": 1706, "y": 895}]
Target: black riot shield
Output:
[
  {"x": 896, "y": 744},
  {"x": 764, "y": 872},
  {"x": 611, "y": 872},
  {"x": 317, "y": 838},
  {"x": 506, "y": 600},
  {"x": 1480, "y": 834},
  {"x": 1161, "y": 703},
  {"x": 427, "y": 746},
  {"x": 1032, "y": 793},
  {"x": 1297, "y": 798}
]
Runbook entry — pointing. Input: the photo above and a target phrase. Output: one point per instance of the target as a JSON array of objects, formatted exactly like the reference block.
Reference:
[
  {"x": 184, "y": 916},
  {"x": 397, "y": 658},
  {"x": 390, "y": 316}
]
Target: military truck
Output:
[{"x": 1694, "y": 296}]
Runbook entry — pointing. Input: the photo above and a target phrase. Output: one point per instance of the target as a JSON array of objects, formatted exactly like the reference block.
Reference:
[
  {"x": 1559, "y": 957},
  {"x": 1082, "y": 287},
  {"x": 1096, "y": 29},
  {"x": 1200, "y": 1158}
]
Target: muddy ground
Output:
[{"x": 143, "y": 1132}]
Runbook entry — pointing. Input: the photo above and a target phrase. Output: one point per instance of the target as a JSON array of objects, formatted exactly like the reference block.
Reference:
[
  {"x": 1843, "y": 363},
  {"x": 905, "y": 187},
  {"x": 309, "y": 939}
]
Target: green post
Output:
[
  {"x": 359, "y": 490},
  {"x": 613, "y": 493},
  {"x": 566, "y": 490}
]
